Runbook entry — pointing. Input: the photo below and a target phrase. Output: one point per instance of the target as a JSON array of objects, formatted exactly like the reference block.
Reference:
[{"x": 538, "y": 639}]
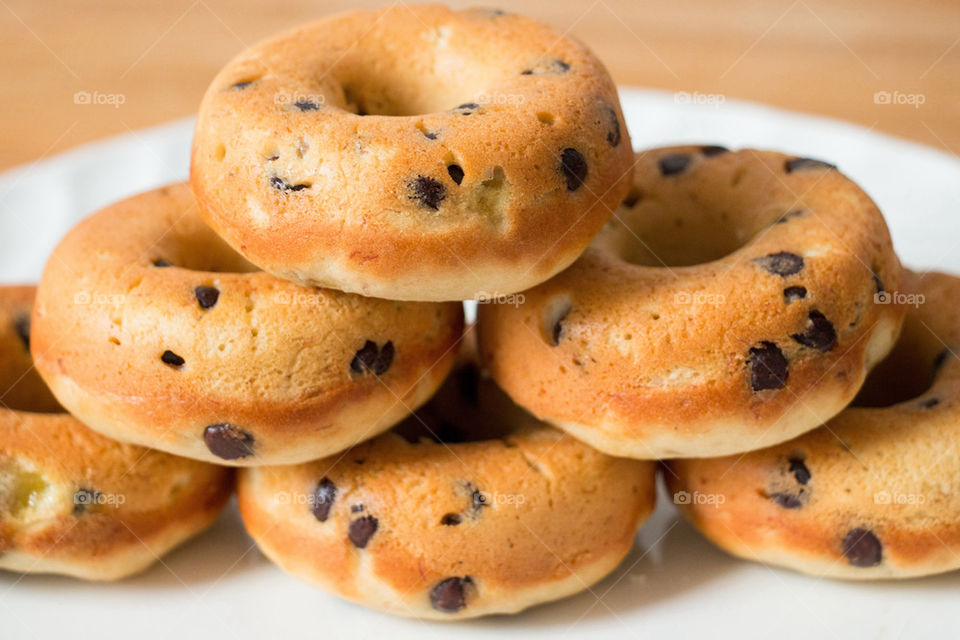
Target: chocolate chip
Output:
[
  {"x": 613, "y": 123},
  {"x": 939, "y": 359},
  {"x": 782, "y": 264},
  {"x": 451, "y": 519},
  {"x": 361, "y": 530},
  {"x": 878, "y": 283},
  {"x": 243, "y": 84},
  {"x": 172, "y": 359},
  {"x": 323, "y": 497},
  {"x": 467, "y": 108},
  {"x": 558, "y": 328},
  {"x": 227, "y": 441},
  {"x": 356, "y": 508},
  {"x": 862, "y": 548},
  {"x": 574, "y": 168},
  {"x": 427, "y": 191},
  {"x": 160, "y": 262},
  {"x": 788, "y": 215},
  {"x": 450, "y": 595},
  {"x": 672, "y": 165},
  {"x": 207, "y": 296},
  {"x": 786, "y": 500},
  {"x": 803, "y": 164},
  {"x": 799, "y": 470},
  {"x": 21, "y": 324},
  {"x": 306, "y": 105},
  {"x": 479, "y": 500},
  {"x": 282, "y": 185},
  {"x": 768, "y": 367},
  {"x": 385, "y": 359},
  {"x": 712, "y": 150},
  {"x": 364, "y": 358},
  {"x": 792, "y": 294},
  {"x": 456, "y": 173},
  {"x": 369, "y": 357},
  {"x": 819, "y": 333},
  {"x": 430, "y": 135},
  {"x": 929, "y": 403},
  {"x": 84, "y": 499},
  {"x": 553, "y": 65}
]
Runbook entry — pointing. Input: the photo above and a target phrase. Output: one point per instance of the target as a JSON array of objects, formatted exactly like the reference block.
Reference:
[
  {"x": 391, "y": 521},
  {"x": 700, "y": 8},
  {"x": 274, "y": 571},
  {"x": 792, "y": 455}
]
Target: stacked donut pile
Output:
[{"x": 295, "y": 311}]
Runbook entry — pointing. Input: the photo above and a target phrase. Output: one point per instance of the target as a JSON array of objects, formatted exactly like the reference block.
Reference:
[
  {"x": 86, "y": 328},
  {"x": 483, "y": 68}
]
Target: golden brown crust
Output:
[
  {"x": 463, "y": 529},
  {"x": 276, "y": 361},
  {"x": 874, "y": 493},
  {"x": 654, "y": 361},
  {"x": 292, "y": 187},
  {"x": 74, "y": 502}
]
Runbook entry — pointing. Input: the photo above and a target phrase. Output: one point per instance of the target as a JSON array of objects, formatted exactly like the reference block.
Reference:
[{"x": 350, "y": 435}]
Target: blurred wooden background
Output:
[{"x": 822, "y": 56}]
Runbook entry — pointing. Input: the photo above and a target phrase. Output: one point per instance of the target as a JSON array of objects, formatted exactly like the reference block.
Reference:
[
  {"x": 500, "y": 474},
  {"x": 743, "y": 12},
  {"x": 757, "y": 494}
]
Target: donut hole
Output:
[
  {"x": 400, "y": 93},
  {"x": 23, "y": 388},
  {"x": 198, "y": 250},
  {"x": 468, "y": 407},
  {"x": 436, "y": 74},
  {"x": 678, "y": 222},
  {"x": 907, "y": 373}
]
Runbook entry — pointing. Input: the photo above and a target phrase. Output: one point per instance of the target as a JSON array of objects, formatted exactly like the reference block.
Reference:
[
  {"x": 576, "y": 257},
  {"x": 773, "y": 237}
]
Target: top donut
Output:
[{"x": 413, "y": 153}]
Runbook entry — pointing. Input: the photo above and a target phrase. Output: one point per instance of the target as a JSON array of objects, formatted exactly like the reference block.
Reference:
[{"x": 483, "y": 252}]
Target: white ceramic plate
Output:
[{"x": 219, "y": 586}]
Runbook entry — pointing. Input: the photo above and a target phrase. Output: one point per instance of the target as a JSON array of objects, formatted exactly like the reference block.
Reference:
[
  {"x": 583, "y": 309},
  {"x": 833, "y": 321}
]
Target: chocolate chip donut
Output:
[
  {"x": 73, "y": 501},
  {"x": 875, "y": 492},
  {"x": 151, "y": 330},
  {"x": 471, "y": 507},
  {"x": 413, "y": 153},
  {"x": 730, "y": 305}
]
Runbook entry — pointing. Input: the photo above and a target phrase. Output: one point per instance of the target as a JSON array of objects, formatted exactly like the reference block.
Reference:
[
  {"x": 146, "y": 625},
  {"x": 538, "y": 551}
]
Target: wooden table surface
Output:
[{"x": 148, "y": 62}]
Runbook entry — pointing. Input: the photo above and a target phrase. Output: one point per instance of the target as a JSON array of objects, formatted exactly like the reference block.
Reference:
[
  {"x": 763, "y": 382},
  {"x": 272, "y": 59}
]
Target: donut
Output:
[
  {"x": 469, "y": 507},
  {"x": 412, "y": 153},
  {"x": 873, "y": 493},
  {"x": 151, "y": 330},
  {"x": 74, "y": 502},
  {"x": 731, "y": 304}
]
